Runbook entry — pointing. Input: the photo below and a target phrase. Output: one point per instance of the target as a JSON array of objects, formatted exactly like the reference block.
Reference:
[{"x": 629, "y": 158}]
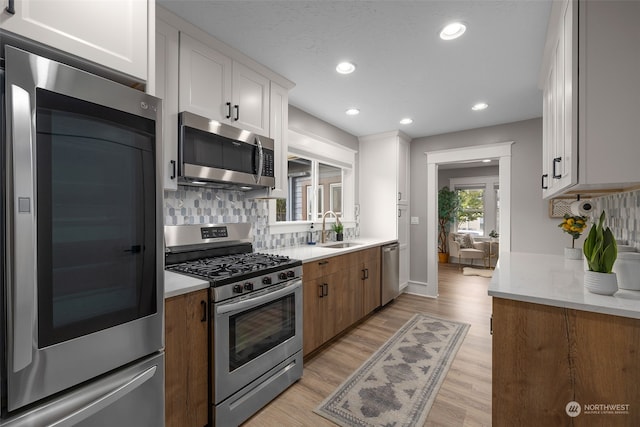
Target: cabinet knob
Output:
[
  {"x": 228, "y": 110},
  {"x": 237, "y": 107},
  {"x": 542, "y": 183}
]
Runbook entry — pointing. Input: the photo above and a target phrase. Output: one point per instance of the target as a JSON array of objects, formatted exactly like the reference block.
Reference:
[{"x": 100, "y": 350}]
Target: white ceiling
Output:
[{"x": 403, "y": 68}]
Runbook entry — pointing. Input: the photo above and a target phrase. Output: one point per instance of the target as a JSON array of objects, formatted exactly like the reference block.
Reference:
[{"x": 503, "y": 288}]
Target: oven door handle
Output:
[
  {"x": 23, "y": 278},
  {"x": 259, "y": 300}
]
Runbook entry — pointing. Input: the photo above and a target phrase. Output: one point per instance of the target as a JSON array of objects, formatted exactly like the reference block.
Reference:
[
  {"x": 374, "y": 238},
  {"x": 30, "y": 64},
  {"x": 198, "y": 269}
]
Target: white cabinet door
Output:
[
  {"x": 279, "y": 127},
  {"x": 403, "y": 172},
  {"x": 403, "y": 241},
  {"x": 560, "y": 108},
  {"x": 205, "y": 80},
  {"x": 250, "y": 99},
  {"x": 214, "y": 86},
  {"x": 167, "y": 51},
  {"x": 110, "y": 33}
]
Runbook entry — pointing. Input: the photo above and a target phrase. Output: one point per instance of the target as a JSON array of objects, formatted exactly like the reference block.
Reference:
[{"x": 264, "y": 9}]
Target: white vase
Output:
[
  {"x": 627, "y": 268},
  {"x": 600, "y": 283},
  {"x": 573, "y": 253}
]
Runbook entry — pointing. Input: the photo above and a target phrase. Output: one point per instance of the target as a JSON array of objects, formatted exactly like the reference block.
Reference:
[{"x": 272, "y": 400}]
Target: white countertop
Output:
[
  {"x": 556, "y": 281},
  {"x": 310, "y": 253},
  {"x": 177, "y": 284}
]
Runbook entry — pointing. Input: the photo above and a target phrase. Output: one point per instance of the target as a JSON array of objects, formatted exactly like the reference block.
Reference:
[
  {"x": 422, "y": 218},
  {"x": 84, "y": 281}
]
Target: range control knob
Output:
[
  {"x": 290, "y": 273},
  {"x": 237, "y": 289},
  {"x": 248, "y": 286},
  {"x": 266, "y": 280},
  {"x": 282, "y": 276}
]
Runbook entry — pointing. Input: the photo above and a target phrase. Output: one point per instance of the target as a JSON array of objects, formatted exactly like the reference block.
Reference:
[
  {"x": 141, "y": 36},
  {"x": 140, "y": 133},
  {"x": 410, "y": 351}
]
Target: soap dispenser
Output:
[{"x": 310, "y": 236}]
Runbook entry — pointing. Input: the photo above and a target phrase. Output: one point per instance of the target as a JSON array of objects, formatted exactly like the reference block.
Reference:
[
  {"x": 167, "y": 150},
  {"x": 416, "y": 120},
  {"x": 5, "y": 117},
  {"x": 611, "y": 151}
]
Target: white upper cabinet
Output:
[
  {"x": 279, "y": 127},
  {"x": 167, "y": 51},
  {"x": 212, "y": 85},
  {"x": 590, "y": 97},
  {"x": 108, "y": 33},
  {"x": 403, "y": 172},
  {"x": 205, "y": 80},
  {"x": 250, "y": 99}
]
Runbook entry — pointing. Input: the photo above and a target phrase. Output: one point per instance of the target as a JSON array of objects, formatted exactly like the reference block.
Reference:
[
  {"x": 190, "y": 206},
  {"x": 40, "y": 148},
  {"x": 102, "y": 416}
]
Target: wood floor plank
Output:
[{"x": 465, "y": 396}]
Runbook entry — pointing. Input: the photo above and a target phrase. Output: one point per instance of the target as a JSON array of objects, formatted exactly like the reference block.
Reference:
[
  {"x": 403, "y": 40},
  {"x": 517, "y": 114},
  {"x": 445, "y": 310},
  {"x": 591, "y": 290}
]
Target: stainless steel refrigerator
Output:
[{"x": 81, "y": 301}]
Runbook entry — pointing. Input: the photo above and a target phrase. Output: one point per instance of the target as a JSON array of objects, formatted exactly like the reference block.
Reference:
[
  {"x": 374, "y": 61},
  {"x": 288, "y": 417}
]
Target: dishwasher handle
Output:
[{"x": 391, "y": 247}]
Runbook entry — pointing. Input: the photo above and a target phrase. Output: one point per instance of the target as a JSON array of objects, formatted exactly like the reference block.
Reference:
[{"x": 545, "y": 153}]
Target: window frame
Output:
[
  {"x": 491, "y": 184},
  {"x": 319, "y": 150}
]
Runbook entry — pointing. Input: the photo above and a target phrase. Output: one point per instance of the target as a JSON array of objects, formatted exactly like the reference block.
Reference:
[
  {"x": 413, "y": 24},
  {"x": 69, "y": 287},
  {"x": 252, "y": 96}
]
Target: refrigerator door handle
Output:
[
  {"x": 24, "y": 232},
  {"x": 106, "y": 399}
]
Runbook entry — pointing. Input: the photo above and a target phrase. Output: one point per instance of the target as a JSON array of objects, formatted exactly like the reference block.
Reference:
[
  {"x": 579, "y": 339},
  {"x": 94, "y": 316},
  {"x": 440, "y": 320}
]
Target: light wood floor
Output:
[{"x": 465, "y": 396}]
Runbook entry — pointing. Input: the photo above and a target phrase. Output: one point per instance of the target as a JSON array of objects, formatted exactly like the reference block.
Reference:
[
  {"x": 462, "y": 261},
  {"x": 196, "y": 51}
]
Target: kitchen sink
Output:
[{"x": 341, "y": 245}]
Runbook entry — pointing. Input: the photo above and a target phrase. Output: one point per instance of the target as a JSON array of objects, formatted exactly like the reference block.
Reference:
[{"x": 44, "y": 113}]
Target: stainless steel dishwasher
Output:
[{"x": 390, "y": 272}]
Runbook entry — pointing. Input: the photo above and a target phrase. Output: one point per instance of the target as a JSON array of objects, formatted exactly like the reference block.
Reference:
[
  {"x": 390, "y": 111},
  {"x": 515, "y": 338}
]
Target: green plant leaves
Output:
[{"x": 600, "y": 248}]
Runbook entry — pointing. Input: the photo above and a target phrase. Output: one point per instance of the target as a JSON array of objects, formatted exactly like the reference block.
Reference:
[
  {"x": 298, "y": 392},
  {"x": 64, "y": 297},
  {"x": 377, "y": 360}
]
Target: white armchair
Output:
[{"x": 463, "y": 246}]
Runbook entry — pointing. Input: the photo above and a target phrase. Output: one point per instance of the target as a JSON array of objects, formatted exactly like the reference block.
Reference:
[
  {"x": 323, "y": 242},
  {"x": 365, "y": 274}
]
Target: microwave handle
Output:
[
  {"x": 260, "y": 160},
  {"x": 23, "y": 281}
]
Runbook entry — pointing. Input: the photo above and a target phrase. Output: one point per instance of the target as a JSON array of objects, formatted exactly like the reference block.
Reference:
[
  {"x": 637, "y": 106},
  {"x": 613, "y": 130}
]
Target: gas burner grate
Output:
[{"x": 230, "y": 265}]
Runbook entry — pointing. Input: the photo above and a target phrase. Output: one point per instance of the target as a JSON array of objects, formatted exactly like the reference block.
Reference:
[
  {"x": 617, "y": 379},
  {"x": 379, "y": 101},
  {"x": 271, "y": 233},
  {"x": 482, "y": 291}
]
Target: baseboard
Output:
[{"x": 420, "y": 288}]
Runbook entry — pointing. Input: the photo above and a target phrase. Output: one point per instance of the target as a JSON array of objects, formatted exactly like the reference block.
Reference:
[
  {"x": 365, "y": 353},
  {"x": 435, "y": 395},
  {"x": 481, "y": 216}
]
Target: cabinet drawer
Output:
[{"x": 323, "y": 267}]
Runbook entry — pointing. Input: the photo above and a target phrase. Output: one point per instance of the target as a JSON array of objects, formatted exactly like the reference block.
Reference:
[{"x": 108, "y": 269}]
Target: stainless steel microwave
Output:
[{"x": 214, "y": 154}]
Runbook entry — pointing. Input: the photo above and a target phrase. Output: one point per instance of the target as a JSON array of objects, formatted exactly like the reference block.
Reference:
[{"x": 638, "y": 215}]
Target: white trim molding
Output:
[{"x": 501, "y": 151}]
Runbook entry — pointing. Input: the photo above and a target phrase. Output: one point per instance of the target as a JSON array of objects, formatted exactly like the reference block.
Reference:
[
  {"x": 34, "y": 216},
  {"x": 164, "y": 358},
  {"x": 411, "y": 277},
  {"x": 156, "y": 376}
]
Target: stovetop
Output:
[
  {"x": 223, "y": 255},
  {"x": 224, "y": 269}
]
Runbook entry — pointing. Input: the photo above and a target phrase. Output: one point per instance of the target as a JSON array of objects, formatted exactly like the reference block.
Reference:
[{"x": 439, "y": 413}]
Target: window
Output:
[
  {"x": 479, "y": 204},
  {"x": 327, "y": 183},
  {"x": 470, "y": 218},
  {"x": 320, "y": 177},
  {"x": 296, "y": 207}
]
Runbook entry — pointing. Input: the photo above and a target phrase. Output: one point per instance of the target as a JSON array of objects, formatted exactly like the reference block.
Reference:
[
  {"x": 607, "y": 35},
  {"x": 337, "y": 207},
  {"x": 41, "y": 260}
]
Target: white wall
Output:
[
  {"x": 531, "y": 228},
  {"x": 302, "y": 121}
]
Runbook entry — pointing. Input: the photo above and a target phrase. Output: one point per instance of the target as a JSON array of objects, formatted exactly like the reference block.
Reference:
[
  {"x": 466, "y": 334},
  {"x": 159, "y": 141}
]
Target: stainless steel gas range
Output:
[{"x": 256, "y": 315}]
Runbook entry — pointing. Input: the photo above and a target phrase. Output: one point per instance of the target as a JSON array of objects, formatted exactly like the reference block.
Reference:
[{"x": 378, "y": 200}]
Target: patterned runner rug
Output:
[{"x": 398, "y": 384}]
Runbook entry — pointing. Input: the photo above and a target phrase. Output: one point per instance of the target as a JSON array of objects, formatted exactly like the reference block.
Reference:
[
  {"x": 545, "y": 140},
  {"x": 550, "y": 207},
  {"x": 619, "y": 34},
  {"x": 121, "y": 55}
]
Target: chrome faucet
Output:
[{"x": 323, "y": 237}]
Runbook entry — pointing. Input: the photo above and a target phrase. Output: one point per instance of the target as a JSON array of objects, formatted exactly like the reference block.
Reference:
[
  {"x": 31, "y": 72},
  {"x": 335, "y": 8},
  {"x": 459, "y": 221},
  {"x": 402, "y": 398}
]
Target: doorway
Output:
[{"x": 500, "y": 151}]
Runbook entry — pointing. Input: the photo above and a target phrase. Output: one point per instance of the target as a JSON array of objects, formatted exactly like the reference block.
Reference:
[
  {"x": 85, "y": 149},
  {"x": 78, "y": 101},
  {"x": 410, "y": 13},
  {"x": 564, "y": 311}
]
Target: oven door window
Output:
[
  {"x": 95, "y": 217},
  {"x": 256, "y": 331}
]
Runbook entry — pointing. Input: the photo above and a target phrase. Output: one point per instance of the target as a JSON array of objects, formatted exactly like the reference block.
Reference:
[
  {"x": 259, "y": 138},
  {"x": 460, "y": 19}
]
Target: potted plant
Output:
[
  {"x": 600, "y": 251},
  {"x": 339, "y": 229},
  {"x": 573, "y": 225},
  {"x": 448, "y": 205}
]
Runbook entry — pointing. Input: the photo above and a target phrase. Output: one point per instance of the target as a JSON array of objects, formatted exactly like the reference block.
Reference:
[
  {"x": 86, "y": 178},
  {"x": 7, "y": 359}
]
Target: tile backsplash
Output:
[
  {"x": 623, "y": 215},
  {"x": 196, "y": 205}
]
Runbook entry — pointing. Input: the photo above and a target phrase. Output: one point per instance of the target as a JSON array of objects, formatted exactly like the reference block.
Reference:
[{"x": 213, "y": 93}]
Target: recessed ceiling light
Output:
[
  {"x": 453, "y": 31},
  {"x": 486, "y": 161},
  {"x": 345, "y": 68},
  {"x": 480, "y": 106},
  {"x": 406, "y": 121},
  {"x": 352, "y": 112}
]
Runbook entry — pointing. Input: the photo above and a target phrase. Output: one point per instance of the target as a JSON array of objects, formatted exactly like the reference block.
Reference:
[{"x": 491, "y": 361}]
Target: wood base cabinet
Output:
[
  {"x": 558, "y": 366},
  {"x": 338, "y": 292},
  {"x": 186, "y": 353},
  {"x": 368, "y": 267}
]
